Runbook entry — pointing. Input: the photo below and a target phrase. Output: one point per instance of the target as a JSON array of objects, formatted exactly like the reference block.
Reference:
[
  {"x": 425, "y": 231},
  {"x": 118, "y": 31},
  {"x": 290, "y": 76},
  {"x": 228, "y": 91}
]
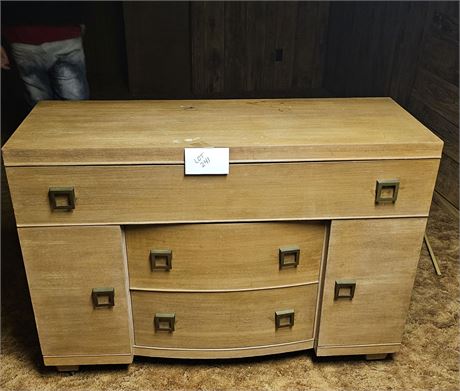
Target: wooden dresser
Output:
[{"x": 310, "y": 241}]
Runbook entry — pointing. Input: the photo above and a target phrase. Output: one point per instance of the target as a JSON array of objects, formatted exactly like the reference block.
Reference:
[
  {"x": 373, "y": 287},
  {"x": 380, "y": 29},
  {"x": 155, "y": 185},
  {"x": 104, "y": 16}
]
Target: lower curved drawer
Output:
[{"x": 224, "y": 320}]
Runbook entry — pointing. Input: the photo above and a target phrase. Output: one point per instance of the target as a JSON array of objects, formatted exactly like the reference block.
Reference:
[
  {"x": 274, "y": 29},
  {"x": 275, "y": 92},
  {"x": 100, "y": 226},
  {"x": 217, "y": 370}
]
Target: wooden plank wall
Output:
[
  {"x": 157, "y": 38},
  {"x": 234, "y": 48},
  {"x": 406, "y": 50},
  {"x": 434, "y": 95},
  {"x": 104, "y": 43}
]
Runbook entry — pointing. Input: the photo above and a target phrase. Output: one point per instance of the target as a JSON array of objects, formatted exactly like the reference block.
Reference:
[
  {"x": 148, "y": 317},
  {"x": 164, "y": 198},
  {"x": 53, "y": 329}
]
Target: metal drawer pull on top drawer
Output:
[
  {"x": 62, "y": 198},
  {"x": 164, "y": 322},
  {"x": 284, "y": 318},
  {"x": 344, "y": 289},
  {"x": 386, "y": 191},
  {"x": 161, "y": 260},
  {"x": 103, "y": 297},
  {"x": 289, "y": 256}
]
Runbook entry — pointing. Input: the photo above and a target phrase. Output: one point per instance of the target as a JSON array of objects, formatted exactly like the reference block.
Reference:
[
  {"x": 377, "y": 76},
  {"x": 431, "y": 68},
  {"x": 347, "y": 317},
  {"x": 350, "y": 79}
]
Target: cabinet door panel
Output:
[
  {"x": 380, "y": 257},
  {"x": 63, "y": 266}
]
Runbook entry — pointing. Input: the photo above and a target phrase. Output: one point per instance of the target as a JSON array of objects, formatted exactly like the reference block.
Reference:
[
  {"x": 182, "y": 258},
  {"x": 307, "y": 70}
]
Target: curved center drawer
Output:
[
  {"x": 224, "y": 320},
  {"x": 224, "y": 256},
  {"x": 266, "y": 191}
]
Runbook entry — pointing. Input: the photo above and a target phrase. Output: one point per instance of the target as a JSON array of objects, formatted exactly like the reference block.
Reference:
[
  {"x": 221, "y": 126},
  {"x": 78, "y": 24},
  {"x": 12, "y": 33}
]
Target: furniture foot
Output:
[
  {"x": 68, "y": 368},
  {"x": 379, "y": 356}
]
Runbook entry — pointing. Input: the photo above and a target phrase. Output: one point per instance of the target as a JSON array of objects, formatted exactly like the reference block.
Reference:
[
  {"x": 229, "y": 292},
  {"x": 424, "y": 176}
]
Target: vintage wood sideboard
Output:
[{"x": 310, "y": 241}]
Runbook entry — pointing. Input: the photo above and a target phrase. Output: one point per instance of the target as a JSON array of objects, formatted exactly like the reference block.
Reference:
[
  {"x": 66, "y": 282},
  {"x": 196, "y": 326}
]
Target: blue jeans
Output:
[{"x": 52, "y": 70}]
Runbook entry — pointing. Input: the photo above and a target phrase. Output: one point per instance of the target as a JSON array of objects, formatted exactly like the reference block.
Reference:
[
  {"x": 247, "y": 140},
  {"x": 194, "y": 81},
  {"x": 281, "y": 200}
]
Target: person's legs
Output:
[
  {"x": 32, "y": 65},
  {"x": 68, "y": 73}
]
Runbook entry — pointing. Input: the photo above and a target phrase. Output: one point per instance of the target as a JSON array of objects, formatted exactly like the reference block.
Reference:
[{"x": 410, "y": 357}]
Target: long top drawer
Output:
[{"x": 257, "y": 192}]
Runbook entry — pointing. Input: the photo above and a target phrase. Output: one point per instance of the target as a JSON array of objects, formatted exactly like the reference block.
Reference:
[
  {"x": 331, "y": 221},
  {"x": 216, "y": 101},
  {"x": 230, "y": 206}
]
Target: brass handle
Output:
[
  {"x": 284, "y": 318},
  {"x": 386, "y": 191},
  {"x": 62, "y": 198},
  {"x": 164, "y": 322},
  {"x": 103, "y": 297},
  {"x": 289, "y": 256},
  {"x": 344, "y": 289},
  {"x": 161, "y": 260}
]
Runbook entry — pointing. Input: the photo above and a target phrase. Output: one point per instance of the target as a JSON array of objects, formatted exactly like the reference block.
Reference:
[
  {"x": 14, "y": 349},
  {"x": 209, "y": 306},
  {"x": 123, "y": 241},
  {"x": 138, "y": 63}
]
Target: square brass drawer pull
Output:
[
  {"x": 161, "y": 260},
  {"x": 344, "y": 289},
  {"x": 164, "y": 322},
  {"x": 386, "y": 191},
  {"x": 284, "y": 318},
  {"x": 103, "y": 297},
  {"x": 62, "y": 198},
  {"x": 289, "y": 256}
]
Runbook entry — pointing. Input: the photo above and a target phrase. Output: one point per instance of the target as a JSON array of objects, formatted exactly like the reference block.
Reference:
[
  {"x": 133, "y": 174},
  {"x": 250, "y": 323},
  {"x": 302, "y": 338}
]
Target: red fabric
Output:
[{"x": 36, "y": 35}]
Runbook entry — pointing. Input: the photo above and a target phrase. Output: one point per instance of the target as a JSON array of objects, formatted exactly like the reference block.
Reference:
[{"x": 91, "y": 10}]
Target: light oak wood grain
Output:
[
  {"x": 349, "y": 350},
  {"x": 322, "y": 273},
  {"x": 222, "y": 353},
  {"x": 155, "y": 194},
  {"x": 303, "y": 173},
  {"x": 88, "y": 360},
  {"x": 224, "y": 320},
  {"x": 148, "y": 132},
  {"x": 381, "y": 256},
  {"x": 224, "y": 256},
  {"x": 63, "y": 265}
]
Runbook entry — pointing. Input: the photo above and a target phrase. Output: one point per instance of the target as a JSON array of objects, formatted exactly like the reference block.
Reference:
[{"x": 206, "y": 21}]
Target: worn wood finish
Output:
[
  {"x": 381, "y": 256},
  {"x": 222, "y": 353},
  {"x": 131, "y": 132},
  {"x": 322, "y": 273},
  {"x": 88, "y": 360},
  {"x": 351, "y": 350},
  {"x": 220, "y": 256},
  {"x": 63, "y": 265},
  {"x": 155, "y": 194},
  {"x": 303, "y": 173},
  {"x": 224, "y": 320}
]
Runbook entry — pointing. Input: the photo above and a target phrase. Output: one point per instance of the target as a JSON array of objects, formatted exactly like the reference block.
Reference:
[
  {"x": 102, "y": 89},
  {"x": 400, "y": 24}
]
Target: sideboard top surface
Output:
[{"x": 156, "y": 132}]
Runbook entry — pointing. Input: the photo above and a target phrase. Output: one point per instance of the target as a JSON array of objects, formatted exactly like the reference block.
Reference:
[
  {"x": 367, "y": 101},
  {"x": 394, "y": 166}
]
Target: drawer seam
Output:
[
  {"x": 220, "y": 290},
  {"x": 223, "y": 349}
]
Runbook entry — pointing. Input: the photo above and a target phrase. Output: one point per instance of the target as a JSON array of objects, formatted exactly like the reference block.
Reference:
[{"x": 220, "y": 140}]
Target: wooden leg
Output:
[
  {"x": 68, "y": 368},
  {"x": 380, "y": 356}
]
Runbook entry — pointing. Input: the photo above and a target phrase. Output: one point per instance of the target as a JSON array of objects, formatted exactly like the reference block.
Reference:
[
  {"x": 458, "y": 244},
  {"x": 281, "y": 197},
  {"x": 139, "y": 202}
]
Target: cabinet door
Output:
[
  {"x": 375, "y": 262},
  {"x": 63, "y": 266}
]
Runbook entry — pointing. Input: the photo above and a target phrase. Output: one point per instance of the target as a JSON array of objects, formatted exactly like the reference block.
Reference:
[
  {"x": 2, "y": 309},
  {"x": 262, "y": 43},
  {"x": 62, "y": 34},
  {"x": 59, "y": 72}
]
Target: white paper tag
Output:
[{"x": 206, "y": 161}]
